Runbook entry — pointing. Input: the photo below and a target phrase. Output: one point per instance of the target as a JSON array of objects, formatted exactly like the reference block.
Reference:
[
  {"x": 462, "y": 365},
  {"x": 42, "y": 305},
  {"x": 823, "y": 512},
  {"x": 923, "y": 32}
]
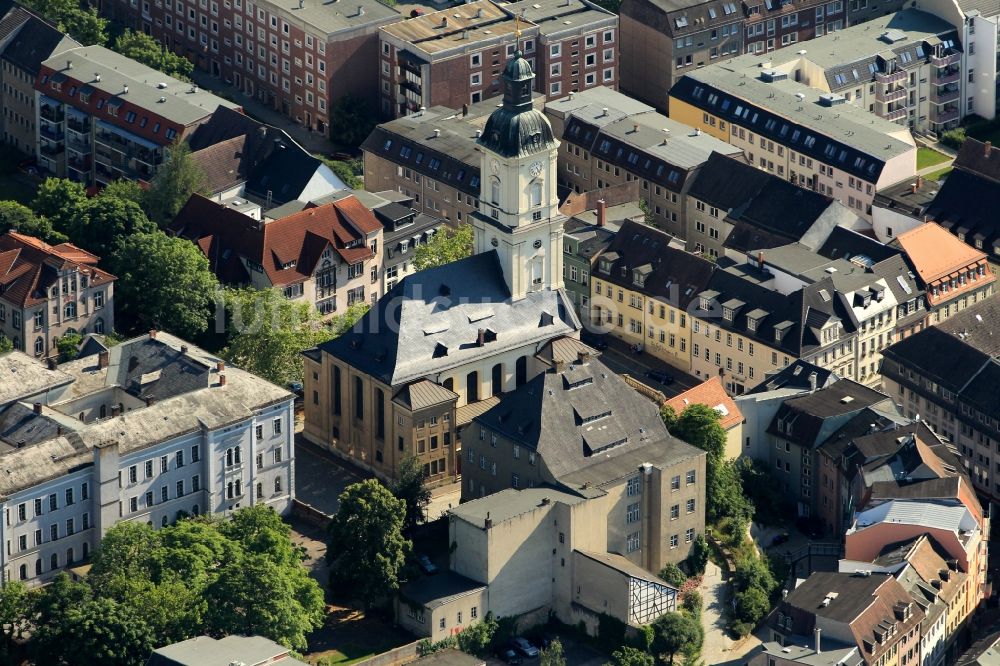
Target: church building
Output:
[{"x": 443, "y": 344}]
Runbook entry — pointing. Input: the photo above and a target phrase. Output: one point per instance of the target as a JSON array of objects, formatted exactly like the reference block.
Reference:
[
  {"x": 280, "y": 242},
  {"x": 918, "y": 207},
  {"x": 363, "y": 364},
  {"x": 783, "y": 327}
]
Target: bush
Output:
[
  {"x": 742, "y": 629},
  {"x": 610, "y": 632},
  {"x": 692, "y": 603},
  {"x": 752, "y": 605},
  {"x": 673, "y": 575},
  {"x": 954, "y": 138},
  {"x": 698, "y": 558}
]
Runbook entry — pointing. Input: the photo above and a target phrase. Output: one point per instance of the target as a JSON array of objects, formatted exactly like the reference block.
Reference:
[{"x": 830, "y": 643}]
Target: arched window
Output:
[
  {"x": 54, "y": 561},
  {"x": 260, "y": 490},
  {"x": 99, "y": 326},
  {"x": 496, "y": 383},
  {"x": 38, "y": 566},
  {"x": 238, "y": 455},
  {"x": 86, "y": 549},
  {"x": 472, "y": 387},
  {"x": 24, "y": 572},
  {"x": 521, "y": 371},
  {"x": 277, "y": 484},
  {"x": 229, "y": 490},
  {"x": 449, "y": 384},
  {"x": 69, "y": 557},
  {"x": 39, "y": 346},
  {"x": 229, "y": 457},
  {"x": 536, "y": 193},
  {"x": 359, "y": 399},
  {"x": 495, "y": 191}
]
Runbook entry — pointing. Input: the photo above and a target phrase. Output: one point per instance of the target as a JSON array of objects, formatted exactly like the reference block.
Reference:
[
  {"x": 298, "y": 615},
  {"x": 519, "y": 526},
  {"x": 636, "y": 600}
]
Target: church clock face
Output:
[
  {"x": 495, "y": 166},
  {"x": 494, "y": 242},
  {"x": 535, "y": 169},
  {"x": 537, "y": 244}
]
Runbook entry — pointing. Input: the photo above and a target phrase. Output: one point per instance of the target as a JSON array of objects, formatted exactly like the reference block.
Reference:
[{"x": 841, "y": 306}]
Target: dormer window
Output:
[
  {"x": 638, "y": 278},
  {"x": 728, "y": 314},
  {"x": 704, "y": 303},
  {"x": 751, "y": 324},
  {"x": 624, "y": 271},
  {"x": 605, "y": 266}
]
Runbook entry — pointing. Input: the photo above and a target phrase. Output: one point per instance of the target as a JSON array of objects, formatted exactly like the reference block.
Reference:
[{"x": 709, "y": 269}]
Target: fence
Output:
[
  {"x": 399, "y": 655},
  {"x": 310, "y": 514}
]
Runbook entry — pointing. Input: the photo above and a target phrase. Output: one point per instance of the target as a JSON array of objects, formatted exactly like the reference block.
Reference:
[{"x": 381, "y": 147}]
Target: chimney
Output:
[
  {"x": 635, "y": 128},
  {"x": 465, "y": 34},
  {"x": 52, "y": 362},
  {"x": 571, "y": 93},
  {"x": 220, "y": 366},
  {"x": 361, "y": 10},
  {"x": 103, "y": 359},
  {"x": 913, "y": 187},
  {"x": 604, "y": 111},
  {"x": 545, "y": 501},
  {"x": 816, "y": 633},
  {"x": 479, "y": 133},
  {"x": 479, "y": 13},
  {"x": 150, "y": 401},
  {"x": 481, "y": 337},
  {"x": 986, "y": 149},
  {"x": 152, "y": 334},
  {"x": 444, "y": 21},
  {"x": 37, "y": 407},
  {"x": 760, "y": 260},
  {"x": 184, "y": 349},
  {"x": 97, "y": 77},
  {"x": 222, "y": 380},
  {"x": 488, "y": 523},
  {"x": 920, "y": 182},
  {"x": 116, "y": 410},
  {"x": 262, "y": 131},
  {"x": 602, "y": 213},
  {"x": 812, "y": 381},
  {"x": 583, "y": 357},
  {"x": 437, "y": 133},
  {"x": 125, "y": 90},
  {"x": 300, "y": 4},
  {"x": 69, "y": 64}
]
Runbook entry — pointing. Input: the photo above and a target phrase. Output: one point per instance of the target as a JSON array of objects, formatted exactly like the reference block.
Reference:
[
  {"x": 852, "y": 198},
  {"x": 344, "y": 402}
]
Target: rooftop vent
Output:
[
  {"x": 161, "y": 85},
  {"x": 97, "y": 77},
  {"x": 831, "y": 99},
  {"x": 772, "y": 75},
  {"x": 847, "y": 399}
]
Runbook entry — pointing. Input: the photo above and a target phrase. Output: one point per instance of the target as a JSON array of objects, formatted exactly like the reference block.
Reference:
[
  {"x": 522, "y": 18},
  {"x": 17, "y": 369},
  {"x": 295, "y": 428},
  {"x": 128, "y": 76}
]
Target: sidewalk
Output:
[
  {"x": 719, "y": 647},
  {"x": 311, "y": 141}
]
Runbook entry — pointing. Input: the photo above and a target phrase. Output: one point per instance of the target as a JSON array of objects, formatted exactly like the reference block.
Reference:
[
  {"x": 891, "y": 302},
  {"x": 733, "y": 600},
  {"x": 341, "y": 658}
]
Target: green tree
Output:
[
  {"x": 69, "y": 346},
  {"x": 343, "y": 323},
  {"x": 124, "y": 189},
  {"x": 752, "y": 605},
  {"x": 349, "y": 171},
  {"x": 698, "y": 558},
  {"x": 366, "y": 550},
  {"x": 752, "y": 571},
  {"x": 267, "y": 333},
  {"x": 108, "y": 222},
  {"x": 18, "y": 217},
  {"x": 692, "y": 603},
  {"x": 175, "y": 181},
  {"x": 444, "y": 248},
  {"x": 552, "y": 655},
  {"x": 699, "y": 425},
  {"x": 163, "y": 282},
  {"x": 630, "y": 656},
  {"x": 82, "y": 22},
  {"x": 673, "y": 575},
  {"x": 62, "y": 201},
  {"x": 409, "y": 487},
  {"x": 98, "y": 631},
  {"x": 352, "y": 119},
  {"x": 16, "y": 606},
  {"x": 675, "y": 633},
  {"x": 476, "y": 639},
  {"x": 143, "y": 48},
  {"x": 669, "y": 416}
]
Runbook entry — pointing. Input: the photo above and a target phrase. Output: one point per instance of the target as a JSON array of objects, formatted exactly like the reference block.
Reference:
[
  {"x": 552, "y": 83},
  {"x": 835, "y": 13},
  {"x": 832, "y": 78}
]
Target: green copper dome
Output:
[{"x": 517, "y": 129}]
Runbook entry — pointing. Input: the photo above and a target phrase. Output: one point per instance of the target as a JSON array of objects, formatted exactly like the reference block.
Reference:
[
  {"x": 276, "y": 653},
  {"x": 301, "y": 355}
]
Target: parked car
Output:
[
  {"x": 779, "y": 539},
  {"x": 524, "y": 647},
  {"x": 660, "y": 376},
  {"x": 426, "y": 565},
  {"x": 507, "y": 655}
]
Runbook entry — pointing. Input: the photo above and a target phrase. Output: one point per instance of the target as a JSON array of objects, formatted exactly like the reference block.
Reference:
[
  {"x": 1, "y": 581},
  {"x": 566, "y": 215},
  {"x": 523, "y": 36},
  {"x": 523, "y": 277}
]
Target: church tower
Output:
[{"x": 518, "y": 207}]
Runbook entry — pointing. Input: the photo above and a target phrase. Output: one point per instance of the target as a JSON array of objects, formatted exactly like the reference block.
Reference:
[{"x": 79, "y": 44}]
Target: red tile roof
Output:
[
  {"x": 710, "y": 392},
  {"x": 227, "y": 237},
  {"x": 28, "y": 267}
]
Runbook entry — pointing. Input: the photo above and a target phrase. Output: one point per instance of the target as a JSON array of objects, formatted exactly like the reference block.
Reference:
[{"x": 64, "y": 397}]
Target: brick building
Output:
[
  {"x": 298, "y": 57},
  {"x": 454, "y": 56}
]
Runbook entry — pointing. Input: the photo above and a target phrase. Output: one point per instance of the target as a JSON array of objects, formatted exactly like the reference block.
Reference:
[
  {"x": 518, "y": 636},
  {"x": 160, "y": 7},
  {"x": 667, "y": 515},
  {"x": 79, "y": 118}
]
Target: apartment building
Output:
[
  {"x": 795, "y": 131},
  {"x": 150, "y": 430},
  {"x": 328, "y": 255},
  {"x": 609, "y": 139},
  {"x": 101, "y": 116},
  {"x": 47, "y": 291},
  {"x": 844, "y": 618},
  {"x": 403, "y": 230},
  {"x": 663, "y": 40},
  {"x": 463, "y": 332},
  {"x": 454, "y": 56},
  {"x": 26, "y": 40},
  {"x": 953, "y": 274},
  {"x": 430, "y": 157},
  {"x": 733, "y": 205},
  {"x": 902, "y": 207},
  {"x": 712, "y": 393},
  {"x": 642, "y": 291},
  {"x": 946, "y": 374},
  {"x": 538, "y": 552},
  {"x": 298, "y": 58}
]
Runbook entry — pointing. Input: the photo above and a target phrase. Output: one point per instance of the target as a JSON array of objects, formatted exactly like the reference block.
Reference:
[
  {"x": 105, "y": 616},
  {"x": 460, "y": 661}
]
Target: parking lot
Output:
[
  {"x": 576, "y": 654},
  {"x": 620, "y": 358},
  {"x": 320, "y": 478}
]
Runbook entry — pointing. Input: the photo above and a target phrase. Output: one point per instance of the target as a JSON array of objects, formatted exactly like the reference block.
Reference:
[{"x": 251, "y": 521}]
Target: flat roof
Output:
[
  {"x": 456, "y": 27},
  {"x": 555, "y": 16},
  {"x": 334, "y": 17},
  {"x": 510, "y": 503}
]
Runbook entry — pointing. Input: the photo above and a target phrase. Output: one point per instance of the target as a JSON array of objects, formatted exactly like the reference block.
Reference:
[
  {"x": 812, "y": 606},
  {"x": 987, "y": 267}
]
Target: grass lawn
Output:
[
  {"x": 939, "y": 175},
  {"x": 12, "y": 184},
  {"x": 927, "y": 157},
  {"x": 349, "y": 637}
]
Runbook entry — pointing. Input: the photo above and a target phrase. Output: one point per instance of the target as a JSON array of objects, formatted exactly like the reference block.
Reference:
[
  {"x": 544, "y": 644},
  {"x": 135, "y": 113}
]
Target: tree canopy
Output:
[
  {"x": 15, "y": 216},
  {"x": 143, "y": 48},
  {"x": 175, "y": 181},
  {"x": 409, "y": 487},
  {"x": 675, "y": 633},
  {"x": 82, "y": 22},
  {"x": 107, "y": 223},
  {"x": 351, "y": 120},
  {"x": 164, "y": 282},
  {"x": 630, "y": 656},
  {"x": 366, "y": 549},
  {"x": 444, "y": 248},
  {"x": 62, "y": 202},
  {"x": 552, "y": 655}
]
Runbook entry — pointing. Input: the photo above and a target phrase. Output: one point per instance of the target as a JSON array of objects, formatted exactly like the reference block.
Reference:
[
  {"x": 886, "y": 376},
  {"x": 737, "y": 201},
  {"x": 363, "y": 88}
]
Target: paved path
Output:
[
  {"x": 719, "y": 647},
  {"x": 936, "y": 167}
]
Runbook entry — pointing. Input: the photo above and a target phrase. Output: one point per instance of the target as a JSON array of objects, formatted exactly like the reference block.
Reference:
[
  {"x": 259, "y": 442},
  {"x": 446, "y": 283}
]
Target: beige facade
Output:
[
  {"x": 430, "y": 196},
  {"x": 18, "y": 101}
]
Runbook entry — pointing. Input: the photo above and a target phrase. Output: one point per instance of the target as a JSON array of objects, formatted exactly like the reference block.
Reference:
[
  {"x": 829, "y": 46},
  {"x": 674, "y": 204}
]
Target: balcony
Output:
[
  {"x": 895, "y": 114},
  {"x": 890, "y": 96},
  {"x": 886, "y": 79},
  {"x": 51, "y": 149},
  {"x": 50, "y": 132},
  {"x": 78, "y": 125},
  {"x": 942, "y": 116},
  {"x": 51, "y": 113},
  {"x": 78, "y": 163},
  {"x": 944, "y": 95},
  {"x": 944, "y": 61},
  {"x": 112, "y": 140},
  {"x": 947, "y": 75}
]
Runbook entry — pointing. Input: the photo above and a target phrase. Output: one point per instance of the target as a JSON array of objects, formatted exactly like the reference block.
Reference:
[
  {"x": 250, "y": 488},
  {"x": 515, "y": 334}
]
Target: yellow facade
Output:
[{"x": 691, "y": 115}]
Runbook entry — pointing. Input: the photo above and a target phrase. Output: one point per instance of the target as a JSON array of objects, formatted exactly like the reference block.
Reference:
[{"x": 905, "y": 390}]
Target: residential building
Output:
[
  {"x": 609, "y": 139},
  {"x": 853, "y": 618},
  {"x": 48, "y": 291},
  {"x": 984, "y": 652},
  {"x": 208, "y": 651},
  {"x": 713, "y": 394},
  {"x": 26, "y": 40},
  {"x": 150, "y": 430},
  {"x": 947, "y": 374},
  {"x": 732, "y": 204},
  {"x": 243, "y": 158},
  {"x": 972, "y": 187},
  {"x": 953, "y": 275},
  {"x": 454, "y": 57},
  {"x": 298, "y": 58},
  {"x": 901, "y": 207},
  {"x": 431, "y": 157},
  {"x": 403, "y": 231},
  {"x": 663, "y": 40},
  {"x": 102, "y": 116},
  {"x": 538, "y": 552},
  {"x": 796, "y": 131},
  {"x": 800, "y": 427},
  {"x": 642, "y": 292},
  {"x": 328, "y": 255},
  {"x": 452, "y": 336}
]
